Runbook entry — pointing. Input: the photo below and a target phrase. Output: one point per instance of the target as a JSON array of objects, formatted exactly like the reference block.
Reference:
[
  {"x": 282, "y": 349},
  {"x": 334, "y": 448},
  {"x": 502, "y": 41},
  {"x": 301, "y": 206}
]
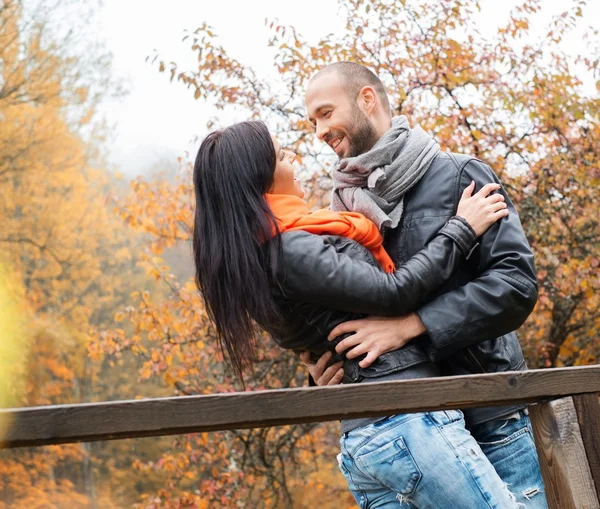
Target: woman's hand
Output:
[
  {"x": 483, "y": 209},
  {"x": 323, "y": 375}
]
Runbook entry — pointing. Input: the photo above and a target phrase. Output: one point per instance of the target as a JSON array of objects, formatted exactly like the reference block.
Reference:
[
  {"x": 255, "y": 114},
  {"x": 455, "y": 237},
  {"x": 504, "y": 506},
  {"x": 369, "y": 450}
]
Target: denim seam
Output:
[
  {"x": 510, "y": 438},
  {"x": 383, "y": 429},
  {"x": 345, "y": 471},
  {"x": 466, "y": 467}
]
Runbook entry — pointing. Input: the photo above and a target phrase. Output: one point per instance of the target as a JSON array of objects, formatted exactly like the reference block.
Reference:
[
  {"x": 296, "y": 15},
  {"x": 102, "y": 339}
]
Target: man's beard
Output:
[{"x": 363, "y": 136}]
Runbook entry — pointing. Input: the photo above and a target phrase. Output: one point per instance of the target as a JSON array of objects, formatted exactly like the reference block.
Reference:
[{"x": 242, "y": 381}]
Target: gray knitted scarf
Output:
[{"x": 374, "y": 183}]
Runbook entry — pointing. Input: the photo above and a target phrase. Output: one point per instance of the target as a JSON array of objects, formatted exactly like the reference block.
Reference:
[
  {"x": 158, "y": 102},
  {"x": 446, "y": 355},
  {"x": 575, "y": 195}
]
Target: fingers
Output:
[
  {"x": 349, "y": 342},
  {"x": 499, "y": 205},
  {"x": 468, "y": 192},
  {"x": 369, "y": 359},
  {"x": 317, "y": 369},
  {"x": 495, "y": 204},
  {"x": 323, "y": 375},
  {"x": 331, "y": 375},
  {"x": 344, "y": 328},
  {"x": 337, "y": 378},
  {"x": 358, "y": 350},
  {"x": 305, "y": 358},
  {"x": 495, "y": 198},
  {"x": 371, "y": 348},
  {"x": 487, "y": 189}
]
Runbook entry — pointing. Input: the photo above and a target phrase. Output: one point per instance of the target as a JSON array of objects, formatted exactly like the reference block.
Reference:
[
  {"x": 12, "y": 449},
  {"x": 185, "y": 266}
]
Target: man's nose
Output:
[{"x": 322, "y": 131}]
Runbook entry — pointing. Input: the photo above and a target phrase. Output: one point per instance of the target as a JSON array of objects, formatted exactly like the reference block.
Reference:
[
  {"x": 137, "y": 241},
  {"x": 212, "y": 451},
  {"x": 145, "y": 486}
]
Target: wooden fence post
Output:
[
  {"x": 587, "y": 407},
  {"x": 567, "y": 477}
]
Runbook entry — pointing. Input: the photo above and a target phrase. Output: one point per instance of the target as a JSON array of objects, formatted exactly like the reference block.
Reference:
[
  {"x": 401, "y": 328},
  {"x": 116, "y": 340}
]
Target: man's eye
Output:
[{"x": 327, "y": 114}]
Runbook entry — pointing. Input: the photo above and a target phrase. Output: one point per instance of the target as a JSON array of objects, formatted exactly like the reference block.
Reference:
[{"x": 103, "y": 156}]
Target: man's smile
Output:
[{"x": 335, "y": 143}]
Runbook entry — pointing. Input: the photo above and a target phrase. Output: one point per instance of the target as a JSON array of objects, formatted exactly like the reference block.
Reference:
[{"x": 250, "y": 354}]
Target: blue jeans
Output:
[
  {"x": 508, "y": 444},
  {"x": 422, "y": 460}
]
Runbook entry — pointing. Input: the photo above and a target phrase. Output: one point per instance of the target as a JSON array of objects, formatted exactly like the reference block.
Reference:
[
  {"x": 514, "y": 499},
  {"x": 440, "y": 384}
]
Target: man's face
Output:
[{"x": 339, "y": 121}]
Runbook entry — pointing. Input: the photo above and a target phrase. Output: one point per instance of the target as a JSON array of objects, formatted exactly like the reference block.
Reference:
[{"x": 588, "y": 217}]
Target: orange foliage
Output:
[
  {"x": 514, "y": 99},
  {"x": 57, "y": 238},
  {"x": 510, "y": 98}
]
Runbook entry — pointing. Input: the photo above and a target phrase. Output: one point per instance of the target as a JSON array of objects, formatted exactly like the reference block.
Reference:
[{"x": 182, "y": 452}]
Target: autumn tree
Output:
[
  {"x": 513, "y": 98},
  {"x": 64, "y": 248},
  {"x": 175, "y": 340}
]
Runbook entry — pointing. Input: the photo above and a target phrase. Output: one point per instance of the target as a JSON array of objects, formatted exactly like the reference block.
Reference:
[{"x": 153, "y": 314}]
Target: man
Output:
[{"x": 398, "y": 177}]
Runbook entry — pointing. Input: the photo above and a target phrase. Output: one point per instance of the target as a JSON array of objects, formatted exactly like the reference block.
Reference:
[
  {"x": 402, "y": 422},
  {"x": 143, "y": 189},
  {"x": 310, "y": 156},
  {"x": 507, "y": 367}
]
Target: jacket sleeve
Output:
[
  {"x": 499, "y": 299},
  {"x": 313, "y": 271}
]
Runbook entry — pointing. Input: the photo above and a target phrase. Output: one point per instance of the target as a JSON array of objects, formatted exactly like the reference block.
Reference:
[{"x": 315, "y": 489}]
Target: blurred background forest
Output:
[{"x": 97, "y": 300}]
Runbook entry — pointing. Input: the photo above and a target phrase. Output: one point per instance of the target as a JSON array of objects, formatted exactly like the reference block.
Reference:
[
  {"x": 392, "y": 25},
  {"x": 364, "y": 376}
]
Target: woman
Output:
[{"x": 252, "y": 228}]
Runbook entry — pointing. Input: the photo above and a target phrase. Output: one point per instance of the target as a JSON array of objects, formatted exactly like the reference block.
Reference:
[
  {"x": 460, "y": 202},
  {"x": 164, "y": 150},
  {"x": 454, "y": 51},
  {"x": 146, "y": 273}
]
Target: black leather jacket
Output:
[
  {"x": 327, "y": 280},
  {"x": 471, "y": 318}
]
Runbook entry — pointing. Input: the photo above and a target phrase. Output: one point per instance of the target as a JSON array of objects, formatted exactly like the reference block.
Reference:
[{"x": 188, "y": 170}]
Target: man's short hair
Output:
[{"x": 355, "y": 77}]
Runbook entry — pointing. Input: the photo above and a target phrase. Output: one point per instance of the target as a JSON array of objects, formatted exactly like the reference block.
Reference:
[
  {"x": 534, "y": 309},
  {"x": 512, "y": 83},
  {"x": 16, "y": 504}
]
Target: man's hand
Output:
[
  {"x": 323, "y": 375},
  {"x": 376, "y": 335}
]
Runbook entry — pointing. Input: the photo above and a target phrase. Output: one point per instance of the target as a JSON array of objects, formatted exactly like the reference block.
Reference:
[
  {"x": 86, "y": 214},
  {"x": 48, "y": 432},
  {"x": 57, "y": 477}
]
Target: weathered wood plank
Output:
[
  {"x": 166, "y": 416},
  {"x": 587, "y": 407},
  {"x": 567, "y": 478}
]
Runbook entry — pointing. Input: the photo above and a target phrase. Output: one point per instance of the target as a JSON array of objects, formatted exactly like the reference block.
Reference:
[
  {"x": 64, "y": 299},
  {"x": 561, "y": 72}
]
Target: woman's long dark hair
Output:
[{"x": 234, "y": 252}]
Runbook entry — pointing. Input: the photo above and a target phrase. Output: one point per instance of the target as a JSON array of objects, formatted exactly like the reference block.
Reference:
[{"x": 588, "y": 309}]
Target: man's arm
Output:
[{"x": 499, "y": 299}]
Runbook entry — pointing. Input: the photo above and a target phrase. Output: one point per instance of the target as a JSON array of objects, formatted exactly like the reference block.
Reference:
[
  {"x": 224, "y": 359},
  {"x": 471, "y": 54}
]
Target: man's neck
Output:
[{"x": 383, "y": 127}]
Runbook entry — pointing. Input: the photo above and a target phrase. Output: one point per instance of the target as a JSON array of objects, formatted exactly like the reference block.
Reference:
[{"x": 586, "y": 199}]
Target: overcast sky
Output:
[{"x": 157, "y": 120}]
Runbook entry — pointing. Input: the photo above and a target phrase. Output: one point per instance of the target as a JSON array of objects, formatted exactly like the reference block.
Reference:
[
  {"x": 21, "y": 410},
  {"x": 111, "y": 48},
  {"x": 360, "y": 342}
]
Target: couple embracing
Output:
[{"x": 420, "y": 268}]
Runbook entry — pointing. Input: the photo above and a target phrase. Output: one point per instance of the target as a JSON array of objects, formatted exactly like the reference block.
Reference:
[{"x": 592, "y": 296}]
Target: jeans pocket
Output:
[
  {"x": 391, "y": 465},
  {"x": 506, "y": 439}
]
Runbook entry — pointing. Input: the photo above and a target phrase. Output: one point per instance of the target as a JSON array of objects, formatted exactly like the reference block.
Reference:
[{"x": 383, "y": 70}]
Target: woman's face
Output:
[{"x": 284, "y": 181}]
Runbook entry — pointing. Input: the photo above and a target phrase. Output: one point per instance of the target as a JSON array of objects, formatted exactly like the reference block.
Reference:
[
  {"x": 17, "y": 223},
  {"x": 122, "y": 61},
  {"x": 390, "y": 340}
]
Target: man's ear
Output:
[{"x": 367, "y": 99}]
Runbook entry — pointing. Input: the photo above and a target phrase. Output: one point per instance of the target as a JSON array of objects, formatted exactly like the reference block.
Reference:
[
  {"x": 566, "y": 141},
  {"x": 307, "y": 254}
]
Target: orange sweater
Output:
[{"x": 292, "y": 214}]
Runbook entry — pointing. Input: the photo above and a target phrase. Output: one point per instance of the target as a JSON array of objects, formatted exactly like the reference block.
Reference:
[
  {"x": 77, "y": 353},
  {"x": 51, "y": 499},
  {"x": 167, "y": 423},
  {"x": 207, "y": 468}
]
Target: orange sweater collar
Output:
[{"x": 292, "y": 213}]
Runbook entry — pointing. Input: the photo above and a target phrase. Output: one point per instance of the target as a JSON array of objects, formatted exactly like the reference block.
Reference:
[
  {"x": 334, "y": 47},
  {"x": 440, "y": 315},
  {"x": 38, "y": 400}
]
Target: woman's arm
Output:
[{"x": 313, "y": 271}]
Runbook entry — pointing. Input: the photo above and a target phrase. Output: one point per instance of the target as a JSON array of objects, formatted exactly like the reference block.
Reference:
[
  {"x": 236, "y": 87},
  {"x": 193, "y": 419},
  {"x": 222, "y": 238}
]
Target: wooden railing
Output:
[{"x": 566, "y": 417}]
